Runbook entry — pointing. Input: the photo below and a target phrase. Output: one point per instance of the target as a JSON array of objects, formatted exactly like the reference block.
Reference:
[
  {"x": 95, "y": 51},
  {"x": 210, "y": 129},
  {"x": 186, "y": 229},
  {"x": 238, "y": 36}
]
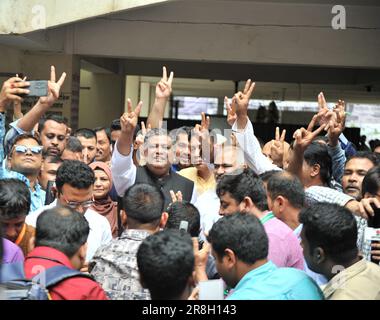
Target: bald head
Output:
[{"x": 227, "y": 160}]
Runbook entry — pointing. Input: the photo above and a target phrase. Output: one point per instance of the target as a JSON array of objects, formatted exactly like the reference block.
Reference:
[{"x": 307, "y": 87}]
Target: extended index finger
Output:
[
  {"x": 247, "y": 85},
  {"x": 312, "y": 123},
  {"x": 143, "y": 128},
  {"x": 171, "y": 76},
  {"x": 283, "y": 134},
  {"x": 172, "y": 195},
  {"x": 251, "y": 88},
  {"x": 52, "y": 74},
  {"x": 164, "y": 73},
  {"x": 277, "y": 134},
  {"x": 129, "y": 105}
]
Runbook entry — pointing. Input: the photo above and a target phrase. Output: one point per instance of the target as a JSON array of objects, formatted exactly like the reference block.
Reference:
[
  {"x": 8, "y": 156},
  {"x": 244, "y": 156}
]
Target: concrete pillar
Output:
[
  {"x": 132, "y": 86},
  {"x": 145, "y": 98}
]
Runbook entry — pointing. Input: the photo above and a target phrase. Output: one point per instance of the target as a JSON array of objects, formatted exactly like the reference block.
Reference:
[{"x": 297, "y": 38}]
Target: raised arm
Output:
[
  {"x": 29, "y": 120},
  {"x": 9, "y": 93},
  {"x": 237, "y": 116},
  {"x": 336, "y": 127},
  {"x": 303, "y": 138},
  {"x": 122, "y": 166},
  {"x": 163, "y": 92}
]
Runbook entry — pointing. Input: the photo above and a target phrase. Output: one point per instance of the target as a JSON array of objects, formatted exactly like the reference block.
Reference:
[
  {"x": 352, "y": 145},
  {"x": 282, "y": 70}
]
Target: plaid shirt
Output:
[
  {"x": 317, "y": 194},
  {"x": 114, "y": 267}
]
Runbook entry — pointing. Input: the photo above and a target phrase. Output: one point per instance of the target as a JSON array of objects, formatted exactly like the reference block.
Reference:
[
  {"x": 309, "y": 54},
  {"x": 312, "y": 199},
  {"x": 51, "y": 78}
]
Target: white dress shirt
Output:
[
  {"x": 100, "y": 229},
  {"x": 254, "y": 157},
  {"x": 124, "y": 173}
]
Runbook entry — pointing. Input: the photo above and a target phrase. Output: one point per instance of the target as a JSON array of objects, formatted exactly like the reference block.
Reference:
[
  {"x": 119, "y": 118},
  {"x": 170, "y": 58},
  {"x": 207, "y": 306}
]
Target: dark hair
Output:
[
  {"x": 76, "y": 174},
  {"x": 166, "y": 261},
  {"x": 265, "y": 176},
  {"x": 371, "y": 156},
  {"x": 85, "y": 133},
  {"x": 242, "y": 233},
  {"x": 288, "y": 186},
  {"x": 374, "y": 144},
  {"x": 331, "y": 227},
  {"x": 15, "y": 199},
  {"x": 182, "y": 130},
  {"x": 155, "y": 132},
  {"x": 371, "y": 181},
  {"x": 106, "y": 130},
  {"x": 242, "y": 184},
  {"x": 53, "y": 159},
  {"x": 317, "y": 153},
  {"x": 73, "y": 144},
  {"x": 184, "y": 211},
  {"x": 144, "y": 203},
  {"x": 54, "y": 117},
  {"x": 25, "y": 136},
  {"x": 115, "y": 125},
  {"x": 63, "y": 229}
]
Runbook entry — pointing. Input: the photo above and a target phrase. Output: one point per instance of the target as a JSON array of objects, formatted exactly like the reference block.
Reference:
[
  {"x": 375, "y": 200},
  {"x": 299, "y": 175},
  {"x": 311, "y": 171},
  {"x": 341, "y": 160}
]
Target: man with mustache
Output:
[
  {"x": 157, "y": 152},
  {"x": 355, "y": 170},
  {"x": 103, "y": 145},
  {"x": 53, "y": 132}
]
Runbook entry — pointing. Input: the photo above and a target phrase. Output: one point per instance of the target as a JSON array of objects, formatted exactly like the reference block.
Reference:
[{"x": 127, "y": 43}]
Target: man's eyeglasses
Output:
[
  {"x": 74, "y": 205},
  {"x": 24, "y": 149}
]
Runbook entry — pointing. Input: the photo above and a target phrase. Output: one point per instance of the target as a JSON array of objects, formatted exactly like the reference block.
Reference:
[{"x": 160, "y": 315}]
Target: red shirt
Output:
[{"x": 77, "y": 288}]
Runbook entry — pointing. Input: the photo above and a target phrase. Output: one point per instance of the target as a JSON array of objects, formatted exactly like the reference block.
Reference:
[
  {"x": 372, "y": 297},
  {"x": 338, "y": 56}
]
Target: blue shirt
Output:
[
  {"x": 38, "y": 195},
  {"x": 269, "y": 282}
]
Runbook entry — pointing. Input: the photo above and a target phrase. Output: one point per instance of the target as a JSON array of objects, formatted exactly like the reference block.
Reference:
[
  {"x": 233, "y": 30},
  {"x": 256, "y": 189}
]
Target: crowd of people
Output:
[{"x": 138, "y": 213}]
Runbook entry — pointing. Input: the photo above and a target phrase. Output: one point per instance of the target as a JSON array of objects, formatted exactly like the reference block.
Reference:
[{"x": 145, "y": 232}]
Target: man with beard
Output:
[
  {"x": 87, "y": 138},
  {"x": 53, "y": 132},
  {"x": 157, "y": 171},
  {"x": 55, "y": 129}
]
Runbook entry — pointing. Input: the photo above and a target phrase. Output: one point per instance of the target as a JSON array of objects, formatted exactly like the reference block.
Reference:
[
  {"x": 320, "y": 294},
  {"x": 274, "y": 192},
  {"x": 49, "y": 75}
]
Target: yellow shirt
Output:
[
  {"x": 361, "y": 281},
  {"x": 200, "y": 184}
]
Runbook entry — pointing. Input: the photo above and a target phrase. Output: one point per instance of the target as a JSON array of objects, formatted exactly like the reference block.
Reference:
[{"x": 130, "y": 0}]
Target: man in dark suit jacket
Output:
[{"x": 158, "y": 155}]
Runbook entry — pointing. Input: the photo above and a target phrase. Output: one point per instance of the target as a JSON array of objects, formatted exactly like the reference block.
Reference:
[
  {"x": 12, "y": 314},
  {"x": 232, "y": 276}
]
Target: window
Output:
[{"x": 192, "y": 107}]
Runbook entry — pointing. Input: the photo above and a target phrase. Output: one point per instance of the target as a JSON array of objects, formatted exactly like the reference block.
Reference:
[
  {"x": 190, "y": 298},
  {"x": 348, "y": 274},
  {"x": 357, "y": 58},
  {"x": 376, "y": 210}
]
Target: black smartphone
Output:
[
  {"x": 50, "y": 194},
  {"x": 374, "y": 221},
  {"x": 37, "y": 88}
]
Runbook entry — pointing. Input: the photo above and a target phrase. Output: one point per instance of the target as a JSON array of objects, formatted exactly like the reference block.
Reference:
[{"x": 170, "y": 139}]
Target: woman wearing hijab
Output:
[{"x": 103, "y": 203}]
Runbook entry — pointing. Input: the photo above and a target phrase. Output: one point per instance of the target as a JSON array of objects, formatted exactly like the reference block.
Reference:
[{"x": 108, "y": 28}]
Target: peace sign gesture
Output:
[
  {"x": 53, "y": 88},
  {"x": 164, "y": 86},
  {"x": 128, "y": 120},
  {"x": 337, "y": 123},
  {"x": 325, "y": 115},
  {"x": 176, "y": 197},
  {"x": 242, "y": 98},
  {"x": 304, "y": 137},
  {"x": 278, "y": 147},
  {"x": 231, "y": 111},
  {"x": 141, "y": 136}
]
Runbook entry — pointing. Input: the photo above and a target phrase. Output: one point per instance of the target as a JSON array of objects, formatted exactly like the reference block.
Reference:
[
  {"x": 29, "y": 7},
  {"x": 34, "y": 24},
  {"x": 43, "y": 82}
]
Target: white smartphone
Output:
[{"x": 211, "y": 290}]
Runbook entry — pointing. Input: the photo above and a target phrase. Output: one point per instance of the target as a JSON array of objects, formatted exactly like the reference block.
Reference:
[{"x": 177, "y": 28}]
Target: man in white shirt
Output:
[
  {"x": 158, "y": 155},
  {"x": 74, "y": 186}
]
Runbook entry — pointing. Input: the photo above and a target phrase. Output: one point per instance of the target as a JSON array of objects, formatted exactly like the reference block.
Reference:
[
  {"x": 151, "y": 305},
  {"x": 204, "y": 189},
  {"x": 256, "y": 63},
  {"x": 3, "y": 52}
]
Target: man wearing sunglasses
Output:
[
  {"x": 74, "y": 189},
  {"x": 24, "y": 163}
]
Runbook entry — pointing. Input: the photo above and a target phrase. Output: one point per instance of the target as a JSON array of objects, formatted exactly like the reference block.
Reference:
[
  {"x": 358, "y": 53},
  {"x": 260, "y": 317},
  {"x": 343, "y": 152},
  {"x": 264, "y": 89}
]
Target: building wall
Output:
[{"x": 101, "y": 98}]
